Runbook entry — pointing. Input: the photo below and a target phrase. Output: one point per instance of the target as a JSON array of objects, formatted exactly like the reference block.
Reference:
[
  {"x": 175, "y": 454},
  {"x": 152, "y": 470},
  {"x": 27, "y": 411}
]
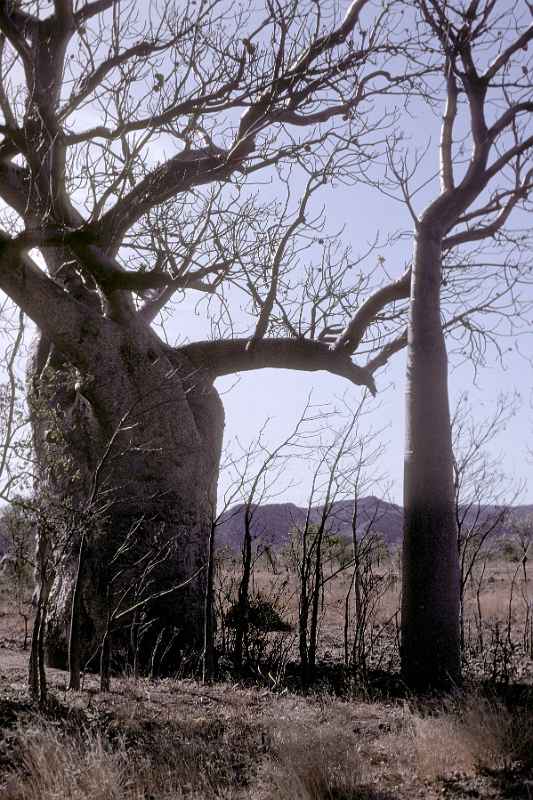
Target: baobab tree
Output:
[
  {"x": 130, "y": 138},
  {"x": 487, "y": 105}
]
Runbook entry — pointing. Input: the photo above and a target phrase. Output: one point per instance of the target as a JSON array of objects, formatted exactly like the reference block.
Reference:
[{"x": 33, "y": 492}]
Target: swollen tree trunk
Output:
[
  {"x": 131, "y": 448},
  {"x": 430, "y": 598}
]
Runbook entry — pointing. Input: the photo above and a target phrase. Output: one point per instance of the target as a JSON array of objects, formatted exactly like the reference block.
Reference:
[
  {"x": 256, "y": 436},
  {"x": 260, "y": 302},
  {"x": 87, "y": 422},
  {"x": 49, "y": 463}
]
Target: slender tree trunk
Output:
[
  {"x": 74, "y": 643},
  {"x": 430, "y": 598},
  {"x": 358, "y": 656},
  {"x": 149, "y": 428},
  {"x": 243, "y": 601},
  {"x": 105, "y": 663},
  {"x": 359, "y": 632},
  {"x": 303, "y": 615},
  {"x": 317, "y": 589},
  {"x": 34, "y": 670},
  {"x": 209, "y": 611},
  {"x": 462, "y": 619},
  {"x": 45, "y": 574}
]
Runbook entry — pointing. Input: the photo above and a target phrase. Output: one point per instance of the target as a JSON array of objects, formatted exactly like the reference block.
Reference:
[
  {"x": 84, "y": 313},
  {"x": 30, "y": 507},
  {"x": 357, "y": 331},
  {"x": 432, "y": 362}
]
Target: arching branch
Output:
[
  {"x": 235, "y": 355},
  {"x": 351, "y": 337}
]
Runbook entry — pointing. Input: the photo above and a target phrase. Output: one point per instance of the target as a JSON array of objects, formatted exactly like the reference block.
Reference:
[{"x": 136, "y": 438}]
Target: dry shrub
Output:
[
  {"x": 472, "y": 737},
  {"x": 51, "y": 767},
  {"x": 313, "y": 764},
  {"x": 202, "y": 763}
]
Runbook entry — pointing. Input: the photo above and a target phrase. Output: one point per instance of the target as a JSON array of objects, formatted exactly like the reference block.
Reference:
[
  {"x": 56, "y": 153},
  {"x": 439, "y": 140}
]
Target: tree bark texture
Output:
[
  {"x": 127, "y": 451},
  {"x": 430, "y": 599}
]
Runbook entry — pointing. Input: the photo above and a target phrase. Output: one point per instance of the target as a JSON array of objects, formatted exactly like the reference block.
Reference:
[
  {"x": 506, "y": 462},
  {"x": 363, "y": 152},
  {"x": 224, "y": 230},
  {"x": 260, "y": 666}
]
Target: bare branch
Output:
[
  {"x": 268, "y": 303},
  {"x": 504, "y": 57},
  {"x": 186, "y": 170},
  {"x": 92, "y": 9},
  {"x": 509, "y": 117},
  {"x": 507, "y": 157},
  {"x": 386, "y": 353},
  {"x": 351, "y": 337},
  {"x": 446, "y": 143},
  {"x": 63, "y": 11},
  {"x": 12, "y": 24},
  {"x": 234, "y": 355},
  {"x": 72, "y": 326},
  {"x": 487, "y": 231}
]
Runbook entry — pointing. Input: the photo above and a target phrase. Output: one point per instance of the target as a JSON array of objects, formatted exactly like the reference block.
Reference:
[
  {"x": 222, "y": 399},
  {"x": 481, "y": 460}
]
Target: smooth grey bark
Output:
[
  {"x": 150, "y": 517},
  {"x": 430, "y": 598},
  {"x": 431, "y": 575}
]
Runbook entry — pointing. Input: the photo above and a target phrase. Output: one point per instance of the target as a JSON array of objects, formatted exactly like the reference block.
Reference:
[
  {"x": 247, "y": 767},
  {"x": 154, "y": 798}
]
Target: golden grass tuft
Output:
[
  {"x": 51, "y": 767},
  {"x": 476, "y": 736},
  {"x": 313, "y": 764},
  {"x": 162, "y": 764}
]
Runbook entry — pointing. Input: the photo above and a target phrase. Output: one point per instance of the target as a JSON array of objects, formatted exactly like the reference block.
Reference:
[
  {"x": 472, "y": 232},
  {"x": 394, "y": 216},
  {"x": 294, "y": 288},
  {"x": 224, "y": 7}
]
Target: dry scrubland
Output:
[
  {"x": 498, "y": 613},
  {"x": 179, "y": 739}
]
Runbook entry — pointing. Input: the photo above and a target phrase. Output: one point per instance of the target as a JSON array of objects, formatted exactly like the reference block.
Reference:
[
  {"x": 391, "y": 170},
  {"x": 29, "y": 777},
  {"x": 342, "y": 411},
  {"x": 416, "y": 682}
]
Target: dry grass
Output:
[
  {"x": 485, "y": 648},
  {"x": 50, "y": 767},
  {"x": 327, "y": 763},
  {"x": 134, "y": 761},
  {"x": 475, "y": 736},
  {"x": 172, "y": 740},
  {"x": 178, "y": 740},
  {"x": 175, "y": 740}
]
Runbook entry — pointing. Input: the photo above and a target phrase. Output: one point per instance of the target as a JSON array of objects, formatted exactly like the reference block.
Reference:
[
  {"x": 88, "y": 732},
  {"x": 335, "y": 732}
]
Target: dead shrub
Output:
[
  {"x": 202, "y": 759},
  {"x": 474, "y": 736},
  {"x": 314, "y": 765},
  {"x": 50, "y": 766}
]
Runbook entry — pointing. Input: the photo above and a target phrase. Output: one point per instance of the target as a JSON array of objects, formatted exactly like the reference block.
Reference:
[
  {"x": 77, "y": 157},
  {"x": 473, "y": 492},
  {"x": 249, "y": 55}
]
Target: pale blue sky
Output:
[{"x": 280, "y": 395}]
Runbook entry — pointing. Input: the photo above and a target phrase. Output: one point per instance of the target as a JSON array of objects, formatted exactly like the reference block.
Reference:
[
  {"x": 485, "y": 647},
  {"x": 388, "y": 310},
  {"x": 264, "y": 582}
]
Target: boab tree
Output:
[
  {"x": 487, "y": 109},
  {"x": 129, "y": 136}
]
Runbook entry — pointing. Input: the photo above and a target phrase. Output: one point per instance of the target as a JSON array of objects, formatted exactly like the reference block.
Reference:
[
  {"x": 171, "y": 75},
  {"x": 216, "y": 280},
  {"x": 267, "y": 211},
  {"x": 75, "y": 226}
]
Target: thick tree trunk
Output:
[
  {"x": 430, "y": 599},
  {"x": 129, "y": 454}
]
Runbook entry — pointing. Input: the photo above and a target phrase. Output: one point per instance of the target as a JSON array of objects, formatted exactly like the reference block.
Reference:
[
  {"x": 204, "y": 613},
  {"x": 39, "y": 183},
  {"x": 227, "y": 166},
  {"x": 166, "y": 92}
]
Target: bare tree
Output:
[
  {"x": 313, "y": 544},
  {"x": 16, "y": 532},
  {"x": 486, "y": 107},
  {"x": 218, "y": 516},
  {"x": 523, "y": 535},
  {"x": 125, "y": 162},
  {"x": 259, "y": 482},
  {"x": 483, "y": 494},
  {"x": 14, "y": 435}
]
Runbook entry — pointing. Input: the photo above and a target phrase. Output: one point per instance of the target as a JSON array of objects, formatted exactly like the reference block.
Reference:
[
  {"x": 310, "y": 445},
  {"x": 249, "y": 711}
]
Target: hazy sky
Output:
[{"x": 280, "y": 395}]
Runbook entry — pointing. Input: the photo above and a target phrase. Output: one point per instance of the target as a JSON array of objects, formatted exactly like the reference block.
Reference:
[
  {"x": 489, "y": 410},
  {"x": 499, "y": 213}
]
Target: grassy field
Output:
[
  {"x": 498, "y": 613},
  {"x": 169, "y": 739}
]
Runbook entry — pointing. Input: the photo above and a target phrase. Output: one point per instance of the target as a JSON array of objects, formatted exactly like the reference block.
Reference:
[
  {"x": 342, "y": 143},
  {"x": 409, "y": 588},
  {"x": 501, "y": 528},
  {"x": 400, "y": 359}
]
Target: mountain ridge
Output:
[{"x": 272, "y": 522}]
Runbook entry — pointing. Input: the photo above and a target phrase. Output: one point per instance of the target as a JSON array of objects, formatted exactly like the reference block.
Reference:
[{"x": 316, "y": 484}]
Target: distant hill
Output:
[{"x": 272, "y": 522}]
